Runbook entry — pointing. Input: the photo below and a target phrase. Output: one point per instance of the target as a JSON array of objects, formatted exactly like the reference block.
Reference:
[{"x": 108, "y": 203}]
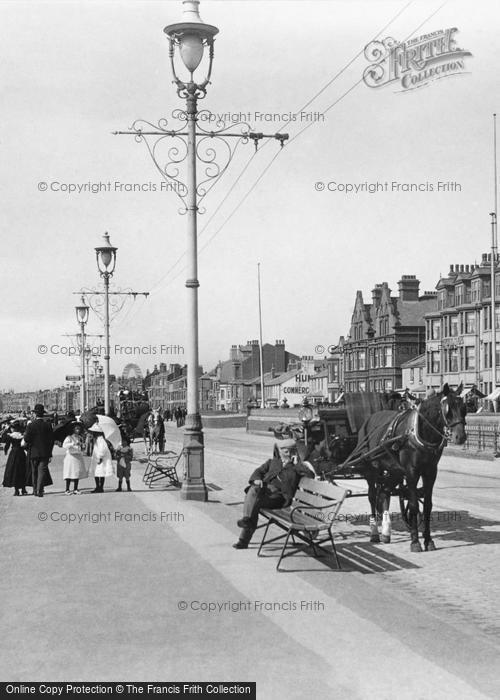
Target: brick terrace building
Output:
[
  {"x": 458, "y": 332},
  {"x": 385, "y": 334}
]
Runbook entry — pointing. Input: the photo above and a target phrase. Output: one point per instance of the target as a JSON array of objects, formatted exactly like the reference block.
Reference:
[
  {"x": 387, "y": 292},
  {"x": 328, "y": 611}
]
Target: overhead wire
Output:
[{"x": 284, "y": 124}]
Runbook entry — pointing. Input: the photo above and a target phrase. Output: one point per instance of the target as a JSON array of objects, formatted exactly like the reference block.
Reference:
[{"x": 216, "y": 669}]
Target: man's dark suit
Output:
[
  {"x": 280, "y": 482},
  {"x": 39, "y": 439}
]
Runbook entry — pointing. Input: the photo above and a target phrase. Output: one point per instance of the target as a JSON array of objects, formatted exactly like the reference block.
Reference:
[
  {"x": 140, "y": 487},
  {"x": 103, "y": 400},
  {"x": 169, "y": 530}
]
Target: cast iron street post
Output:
[{"x": 191, "y": 36}]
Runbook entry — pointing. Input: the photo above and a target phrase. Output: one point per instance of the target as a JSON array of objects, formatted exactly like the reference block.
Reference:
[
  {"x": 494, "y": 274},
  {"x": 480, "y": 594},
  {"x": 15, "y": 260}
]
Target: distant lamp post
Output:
[
  {"x": 106, "y": 262},
  {"x": 82, "y": 316},
  {"x": 96, "y": 365}
]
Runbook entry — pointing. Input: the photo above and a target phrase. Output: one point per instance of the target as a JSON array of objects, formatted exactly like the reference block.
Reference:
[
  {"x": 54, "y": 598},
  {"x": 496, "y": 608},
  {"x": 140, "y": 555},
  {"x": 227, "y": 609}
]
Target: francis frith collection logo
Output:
[{"x": 416, "y": 62}]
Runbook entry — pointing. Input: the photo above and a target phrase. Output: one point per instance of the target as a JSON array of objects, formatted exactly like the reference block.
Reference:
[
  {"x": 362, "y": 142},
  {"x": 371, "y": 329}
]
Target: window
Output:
[
  {"x": 388, "y": 356},
  {"x": 436, "y": 329},
  {"x": 334, "y": 372},
  {"x": 387, "y": 384},
  {"x": 362, "y": 360},
  {"x": 470, "y": 358},
  {"x": 361, "y": 386},
  {"x": 486, "y": 289},
  {"x": 459, "y": 295},
  {"x": 442, "y": 299},
  {"x": 486, "y": 318},
  {"x": 453, "y": 360},
  {"x": 470, "y": 322},
  {"x": 476, "y": 290},
  {"x": 412, "y": 375},
  {"x": 454, "y": 326},
  {"x": 420, "y": 375},
  {"x": 487, "y": 355},
  {"x": 435, "y": 362},
  {"x": 371, "y": 357}
]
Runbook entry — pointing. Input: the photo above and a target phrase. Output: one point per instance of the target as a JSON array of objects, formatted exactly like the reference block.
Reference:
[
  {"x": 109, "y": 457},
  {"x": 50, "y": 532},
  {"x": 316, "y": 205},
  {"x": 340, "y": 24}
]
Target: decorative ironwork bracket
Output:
[{"x": 214, "y": 148}]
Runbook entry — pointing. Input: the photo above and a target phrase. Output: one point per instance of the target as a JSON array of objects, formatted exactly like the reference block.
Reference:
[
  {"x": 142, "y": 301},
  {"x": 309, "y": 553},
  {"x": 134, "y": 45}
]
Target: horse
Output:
[
  {"x": 404, "y": 447},
  {"x": 156, "y": 431}
]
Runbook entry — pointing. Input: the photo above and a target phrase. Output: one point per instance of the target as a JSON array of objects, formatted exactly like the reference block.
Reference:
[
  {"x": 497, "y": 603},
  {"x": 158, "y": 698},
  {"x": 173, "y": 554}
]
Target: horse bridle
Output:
[{"x": 448, "y": 425}]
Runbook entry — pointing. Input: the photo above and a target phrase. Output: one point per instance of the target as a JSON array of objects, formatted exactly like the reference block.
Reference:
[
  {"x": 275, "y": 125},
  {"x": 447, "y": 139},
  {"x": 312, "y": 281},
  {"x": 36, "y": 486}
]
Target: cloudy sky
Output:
[{"x": 73, "y": 72}]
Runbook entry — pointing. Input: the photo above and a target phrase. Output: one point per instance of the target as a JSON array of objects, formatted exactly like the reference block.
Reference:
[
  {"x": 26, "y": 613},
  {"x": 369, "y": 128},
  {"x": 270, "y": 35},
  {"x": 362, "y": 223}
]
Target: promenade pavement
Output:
[{"x": 145, "y": 586}]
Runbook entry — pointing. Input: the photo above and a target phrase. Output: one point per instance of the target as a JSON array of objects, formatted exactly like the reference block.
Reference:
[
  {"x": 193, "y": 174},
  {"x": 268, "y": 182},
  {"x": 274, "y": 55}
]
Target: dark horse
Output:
[{"x": 406, "y": 446}]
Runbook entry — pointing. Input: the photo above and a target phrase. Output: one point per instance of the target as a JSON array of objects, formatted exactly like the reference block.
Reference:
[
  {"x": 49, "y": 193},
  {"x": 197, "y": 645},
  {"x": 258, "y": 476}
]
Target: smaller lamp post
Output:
[
  {"x": 106, "y": 262},
  {"x": 82, "y": 316},
  {"x": 94, "y": 397}
]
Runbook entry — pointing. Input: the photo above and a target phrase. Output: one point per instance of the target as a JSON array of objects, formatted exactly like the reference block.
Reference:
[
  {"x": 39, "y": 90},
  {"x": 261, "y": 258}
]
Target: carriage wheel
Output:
[{"x": 404, "y": 505}]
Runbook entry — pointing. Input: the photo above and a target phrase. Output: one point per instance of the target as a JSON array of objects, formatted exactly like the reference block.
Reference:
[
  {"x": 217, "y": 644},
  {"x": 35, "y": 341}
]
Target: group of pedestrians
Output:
[{"x": 30, "y": 452}]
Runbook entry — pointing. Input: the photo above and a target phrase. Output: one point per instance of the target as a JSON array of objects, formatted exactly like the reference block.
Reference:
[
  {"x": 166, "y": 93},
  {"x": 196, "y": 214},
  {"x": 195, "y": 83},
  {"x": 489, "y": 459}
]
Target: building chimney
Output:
[
  {"x": 233, "y": 354},
  {"x": 376, "y": 294},
  {"x": 408, "y": 288}
]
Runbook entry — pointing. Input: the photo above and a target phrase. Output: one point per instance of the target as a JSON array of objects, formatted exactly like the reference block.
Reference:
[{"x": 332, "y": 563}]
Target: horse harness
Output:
[{"x": 412, "y": 433}]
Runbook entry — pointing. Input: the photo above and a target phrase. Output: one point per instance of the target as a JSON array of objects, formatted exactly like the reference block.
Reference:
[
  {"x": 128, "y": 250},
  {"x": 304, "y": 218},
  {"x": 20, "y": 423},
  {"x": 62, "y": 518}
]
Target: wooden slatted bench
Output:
[
  {"x": 162, "y": 467},
  {"x": 309, "y": 518}
]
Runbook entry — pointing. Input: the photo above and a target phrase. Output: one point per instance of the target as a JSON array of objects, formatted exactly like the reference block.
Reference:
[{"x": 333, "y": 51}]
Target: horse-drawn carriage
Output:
[{"x": 395, "y": 451}]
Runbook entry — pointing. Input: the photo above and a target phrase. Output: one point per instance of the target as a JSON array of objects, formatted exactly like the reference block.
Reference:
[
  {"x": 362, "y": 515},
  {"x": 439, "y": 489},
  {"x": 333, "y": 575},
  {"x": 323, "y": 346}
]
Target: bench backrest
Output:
[{"x": 318, "y": 501}]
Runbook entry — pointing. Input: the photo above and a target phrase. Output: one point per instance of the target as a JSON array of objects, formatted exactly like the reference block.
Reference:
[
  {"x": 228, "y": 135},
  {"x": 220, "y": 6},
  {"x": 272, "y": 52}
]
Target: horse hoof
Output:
[
  {"x": 430, "y": 546},
  {"x": 416, "y": 547},
  {"x": 385, "y": 539},
  {"x": 375, "y": 539}
]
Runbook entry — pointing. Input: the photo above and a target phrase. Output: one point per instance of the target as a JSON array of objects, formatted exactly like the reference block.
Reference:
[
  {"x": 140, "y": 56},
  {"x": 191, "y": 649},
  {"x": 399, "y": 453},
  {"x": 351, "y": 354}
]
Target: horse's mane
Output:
[{"x": 431, "y": 422}]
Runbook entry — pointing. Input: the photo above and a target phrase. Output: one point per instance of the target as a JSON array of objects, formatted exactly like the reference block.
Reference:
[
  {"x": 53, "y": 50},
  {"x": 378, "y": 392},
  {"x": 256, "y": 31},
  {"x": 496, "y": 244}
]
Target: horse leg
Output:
[
  {"x": 384, "y": 500},
  {"x": 413, "y": 515},
  {"x": 372, "y": 497},
  {"x": 428, "y": 484}
]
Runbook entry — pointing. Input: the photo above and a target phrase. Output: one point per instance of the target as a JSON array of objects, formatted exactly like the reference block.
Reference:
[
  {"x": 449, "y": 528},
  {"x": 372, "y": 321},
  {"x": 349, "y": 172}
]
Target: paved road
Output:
[{"x": 99, "y": 599}]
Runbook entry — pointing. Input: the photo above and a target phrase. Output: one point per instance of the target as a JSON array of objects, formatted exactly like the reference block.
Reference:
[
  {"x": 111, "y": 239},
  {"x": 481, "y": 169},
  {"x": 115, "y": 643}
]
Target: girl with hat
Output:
[
  {"x": 74, "y": 467},
  {"x": 102, "y": 461}
]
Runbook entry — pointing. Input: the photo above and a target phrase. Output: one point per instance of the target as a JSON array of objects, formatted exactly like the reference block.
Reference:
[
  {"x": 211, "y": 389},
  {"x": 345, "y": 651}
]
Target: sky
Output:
[{"x": 74, "y": 72}]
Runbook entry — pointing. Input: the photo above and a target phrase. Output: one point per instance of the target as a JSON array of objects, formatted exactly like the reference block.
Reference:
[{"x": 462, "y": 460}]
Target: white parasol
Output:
[{"x": 110, "y": 430}]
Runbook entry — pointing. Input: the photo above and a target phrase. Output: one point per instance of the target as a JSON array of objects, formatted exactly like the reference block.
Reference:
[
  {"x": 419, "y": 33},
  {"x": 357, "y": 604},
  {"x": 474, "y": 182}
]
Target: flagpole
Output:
[
  {"x": 262, "y": 402},
  {"x": 493, "y": 267}
]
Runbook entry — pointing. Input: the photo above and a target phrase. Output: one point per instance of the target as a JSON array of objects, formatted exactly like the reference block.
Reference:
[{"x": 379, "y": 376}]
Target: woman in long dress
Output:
[
  {"x": 101, "y": 462},
  {"x": 74, "y": 467},
  {"x": 16, "y": 470}
]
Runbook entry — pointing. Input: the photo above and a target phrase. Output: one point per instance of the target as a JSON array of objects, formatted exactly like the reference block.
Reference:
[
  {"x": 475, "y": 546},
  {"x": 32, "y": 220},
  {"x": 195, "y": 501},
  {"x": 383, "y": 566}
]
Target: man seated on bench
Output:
[{"x": 272, "y": 485}]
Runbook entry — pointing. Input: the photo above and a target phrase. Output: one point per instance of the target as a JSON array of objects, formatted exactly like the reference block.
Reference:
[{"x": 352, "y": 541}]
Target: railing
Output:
[{"x": 483, "y": 438}]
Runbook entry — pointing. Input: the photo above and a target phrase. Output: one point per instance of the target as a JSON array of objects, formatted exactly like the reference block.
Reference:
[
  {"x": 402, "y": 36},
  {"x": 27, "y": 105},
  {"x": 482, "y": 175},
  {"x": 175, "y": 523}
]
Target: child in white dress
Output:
[{"x": 74, "y": 467}]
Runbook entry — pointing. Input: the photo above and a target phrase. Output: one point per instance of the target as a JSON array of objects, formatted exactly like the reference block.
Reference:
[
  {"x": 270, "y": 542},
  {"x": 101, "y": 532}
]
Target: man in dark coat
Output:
[
  {"x": 39, "y": 440},
  {"x": 272, "y": 485}
]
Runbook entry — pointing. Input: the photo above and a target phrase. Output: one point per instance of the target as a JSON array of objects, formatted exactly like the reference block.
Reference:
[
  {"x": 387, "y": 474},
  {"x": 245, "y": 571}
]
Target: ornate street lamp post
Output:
[
  {"x": 106, "y": 262},
  {"x": 191, "y": 36},
  {"x": 82, "y": 316}
]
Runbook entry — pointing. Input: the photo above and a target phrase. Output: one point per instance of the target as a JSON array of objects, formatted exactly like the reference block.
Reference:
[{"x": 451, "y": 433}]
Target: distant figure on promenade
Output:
[
  {"x": 272, "y": 485},
  {"x": 39, "y": 440},
  {"x": 178, "y": 416},
  {"x": 17, "y": 470},
  {"x": 74, "y": 467},
  {"x": 124, "y": 457},
  {"x": 102, "y": 461}
]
